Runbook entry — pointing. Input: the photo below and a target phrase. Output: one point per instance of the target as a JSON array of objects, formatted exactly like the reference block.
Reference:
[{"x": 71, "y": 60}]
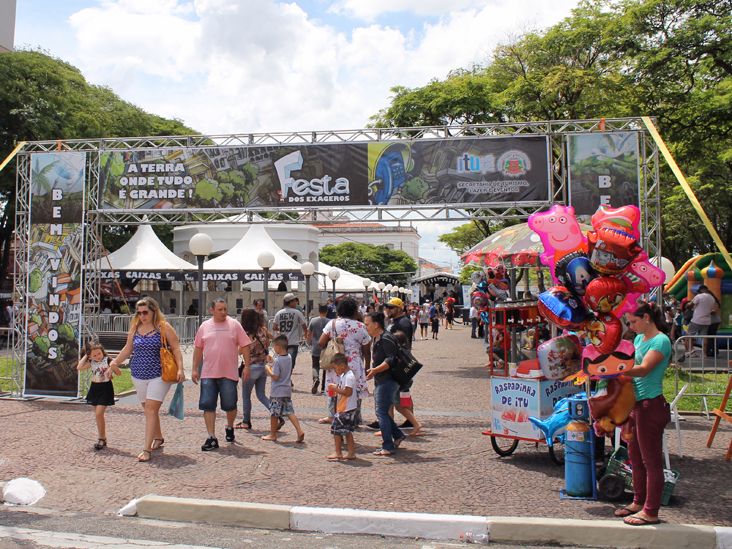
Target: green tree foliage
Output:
[
  {"x": 671, "y": 59},
  {"x": 378, "y": 263},
  {"x": 462, "y": 238},
  {"x": 42, "y": 98}
]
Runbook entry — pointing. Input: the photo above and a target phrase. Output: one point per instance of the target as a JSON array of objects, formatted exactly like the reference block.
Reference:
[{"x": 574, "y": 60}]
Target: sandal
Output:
[
  {"x": 625, "y": 512},
  {"x": 635, "y": 520},
  {"x": 383, "y": 453},
  {"x": 243, "y": 425},
  {"x": 101, "y": 444},
  {"x": 160, "y": 442},
  {"x": 281, "y": 424},
  {"x": 144, "y": 456}
]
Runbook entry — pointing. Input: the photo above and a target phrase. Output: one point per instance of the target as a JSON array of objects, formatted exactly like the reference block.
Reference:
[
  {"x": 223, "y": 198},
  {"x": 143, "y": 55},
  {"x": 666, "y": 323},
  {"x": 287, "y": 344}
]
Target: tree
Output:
[
  {"x": 671, "y": 59},
  {"x": 379, "y": 263},
  {"x": 43, "y": 98},
  {"x": 462, "y": 238}
]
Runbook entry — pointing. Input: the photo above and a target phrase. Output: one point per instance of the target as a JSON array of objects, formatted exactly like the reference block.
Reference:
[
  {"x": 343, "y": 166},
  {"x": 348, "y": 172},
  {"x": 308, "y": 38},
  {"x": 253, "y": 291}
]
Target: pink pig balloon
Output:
[{"x": 560, "y": 234}]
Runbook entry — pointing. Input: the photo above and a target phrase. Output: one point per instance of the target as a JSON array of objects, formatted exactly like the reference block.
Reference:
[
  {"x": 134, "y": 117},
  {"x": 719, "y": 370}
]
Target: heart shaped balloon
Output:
[
  {"x": 604, "y": 293},
  {"x": 605, "y": 332}
]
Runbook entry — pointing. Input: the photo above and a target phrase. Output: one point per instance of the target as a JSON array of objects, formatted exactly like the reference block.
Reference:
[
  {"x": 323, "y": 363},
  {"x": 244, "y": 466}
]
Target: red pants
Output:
[{"x": 647, "y": 421}]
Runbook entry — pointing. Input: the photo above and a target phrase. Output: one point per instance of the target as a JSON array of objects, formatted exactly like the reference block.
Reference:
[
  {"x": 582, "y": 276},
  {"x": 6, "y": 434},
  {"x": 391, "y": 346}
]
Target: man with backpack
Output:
[{"x": 401, "y": 326}]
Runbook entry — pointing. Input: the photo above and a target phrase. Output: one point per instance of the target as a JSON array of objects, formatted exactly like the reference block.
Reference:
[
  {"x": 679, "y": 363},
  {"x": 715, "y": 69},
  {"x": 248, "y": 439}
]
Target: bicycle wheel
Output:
[{"x": 505, "y": 447}]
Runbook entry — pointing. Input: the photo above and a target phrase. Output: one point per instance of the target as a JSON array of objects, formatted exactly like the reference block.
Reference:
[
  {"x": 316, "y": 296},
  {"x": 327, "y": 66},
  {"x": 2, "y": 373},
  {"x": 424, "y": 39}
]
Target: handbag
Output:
[
  {"x": 168, "y": 366},
  {"x": 406, "y": 366},
  {"x": 335, "y": 346},
  {"x": 176, "y": 408}
]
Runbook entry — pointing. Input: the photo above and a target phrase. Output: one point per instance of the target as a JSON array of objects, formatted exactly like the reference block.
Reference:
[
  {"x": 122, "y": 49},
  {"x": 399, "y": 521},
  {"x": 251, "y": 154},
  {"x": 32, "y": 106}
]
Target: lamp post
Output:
[
  {"x": 366, "y": 283},
  {"x": 334, "y": 274},
  {"x": 388, "y": 289},
  {"x": 200, "y": 246},
  {"x": 265, "y": 260},
  {"x": 307, "y": 269},
  {"x": 381, "y": 286}
]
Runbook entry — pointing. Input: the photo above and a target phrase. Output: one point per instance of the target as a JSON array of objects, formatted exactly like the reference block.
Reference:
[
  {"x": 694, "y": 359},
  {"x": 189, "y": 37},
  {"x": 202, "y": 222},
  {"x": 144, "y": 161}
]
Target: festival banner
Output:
[
  {"x": 54, "y": 274},
  {"x": 457, "y": 171},
  {"x": 603, "y": 169}
]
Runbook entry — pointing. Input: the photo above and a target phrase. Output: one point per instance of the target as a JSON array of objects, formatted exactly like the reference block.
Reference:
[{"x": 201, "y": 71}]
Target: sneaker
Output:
[
  {"x": 212, "y": 443},
  {"x": 229, "y": 434},
  {"x": 406, "y": 425},
  {"x": 374, "y": 426},
  {"x": 314, "y": 390}
]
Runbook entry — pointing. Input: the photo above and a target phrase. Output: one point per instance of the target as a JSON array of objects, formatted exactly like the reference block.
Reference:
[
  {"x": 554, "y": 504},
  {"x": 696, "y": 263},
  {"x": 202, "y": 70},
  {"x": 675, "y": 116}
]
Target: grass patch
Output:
[
  {"x": 121, "y": 383},
  {"x": 6, "y": 367},
  {"x": 699, "y": 384}
]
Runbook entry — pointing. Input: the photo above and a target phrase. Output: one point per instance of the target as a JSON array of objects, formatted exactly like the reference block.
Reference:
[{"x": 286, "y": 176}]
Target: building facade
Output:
[{"x": 7, "y": 25}]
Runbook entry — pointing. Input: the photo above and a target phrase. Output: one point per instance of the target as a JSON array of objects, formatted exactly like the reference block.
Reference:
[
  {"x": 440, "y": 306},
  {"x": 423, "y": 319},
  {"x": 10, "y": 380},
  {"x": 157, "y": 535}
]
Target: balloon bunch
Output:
[{"x": 597, "y": 278}]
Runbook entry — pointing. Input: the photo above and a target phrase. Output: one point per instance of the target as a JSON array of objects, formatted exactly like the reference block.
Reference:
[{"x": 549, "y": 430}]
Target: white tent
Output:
[
  {"x": 347, "y": 282},
  {"x": 143, "y": 252},
  {"x": 243, "y": 256}
]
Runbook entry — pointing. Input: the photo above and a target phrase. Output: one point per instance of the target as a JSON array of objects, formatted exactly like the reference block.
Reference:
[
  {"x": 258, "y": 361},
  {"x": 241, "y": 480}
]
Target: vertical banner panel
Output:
[
  {"x": 54, "y": 274},
  {"x": 603, "y": 169}
]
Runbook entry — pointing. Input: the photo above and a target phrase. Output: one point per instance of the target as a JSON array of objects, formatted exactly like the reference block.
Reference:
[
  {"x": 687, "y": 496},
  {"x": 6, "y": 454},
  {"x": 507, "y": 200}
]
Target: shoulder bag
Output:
[
  {"x": 406, "y": 366},
  {"x": 335, "y": 346},
  {"x": 168, "y": 366}
]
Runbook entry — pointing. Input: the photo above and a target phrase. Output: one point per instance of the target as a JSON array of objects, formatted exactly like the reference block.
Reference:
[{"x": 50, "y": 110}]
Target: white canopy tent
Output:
[
  {"x": 243, "y": 256},
  {"x": 143, "y": 252},
  {"x": 346, "y": 283}
]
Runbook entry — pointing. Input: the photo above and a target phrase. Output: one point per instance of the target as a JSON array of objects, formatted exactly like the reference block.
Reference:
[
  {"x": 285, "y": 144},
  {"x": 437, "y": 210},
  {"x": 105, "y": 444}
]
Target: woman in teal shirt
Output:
[{"x": 650, "y": 414}]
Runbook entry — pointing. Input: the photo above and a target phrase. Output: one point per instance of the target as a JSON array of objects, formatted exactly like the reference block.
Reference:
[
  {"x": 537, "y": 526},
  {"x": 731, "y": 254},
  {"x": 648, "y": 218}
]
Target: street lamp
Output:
[
  {"x": 334, "y": 274},
  {"x": 200, "y": 245},
  {"x": 381, "y": 286},
  {"x": 265, "y": 260},
  {"x": 307, "y": 269},
  {"x": 366, "y": 283}
]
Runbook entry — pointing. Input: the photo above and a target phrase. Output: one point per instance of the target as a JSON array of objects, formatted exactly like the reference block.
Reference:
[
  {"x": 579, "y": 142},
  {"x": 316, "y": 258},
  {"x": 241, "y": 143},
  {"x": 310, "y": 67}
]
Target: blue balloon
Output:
[{"x": 562, "y": 308}]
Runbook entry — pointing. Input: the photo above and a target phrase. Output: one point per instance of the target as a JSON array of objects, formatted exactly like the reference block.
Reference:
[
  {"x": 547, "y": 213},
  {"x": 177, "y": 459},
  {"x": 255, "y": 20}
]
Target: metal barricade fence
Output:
[{"x": 702, "y": 362}]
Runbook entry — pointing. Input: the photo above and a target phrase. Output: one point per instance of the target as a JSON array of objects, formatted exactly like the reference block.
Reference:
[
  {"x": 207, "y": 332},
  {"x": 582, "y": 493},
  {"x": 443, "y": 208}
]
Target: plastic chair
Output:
[{"x": 675, "y": 419}]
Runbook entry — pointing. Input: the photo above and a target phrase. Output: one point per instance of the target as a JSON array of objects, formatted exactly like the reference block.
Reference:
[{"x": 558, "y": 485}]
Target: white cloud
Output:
[
  {"x": 369, "y": 10},
  {"x": 260, "y": 65}
]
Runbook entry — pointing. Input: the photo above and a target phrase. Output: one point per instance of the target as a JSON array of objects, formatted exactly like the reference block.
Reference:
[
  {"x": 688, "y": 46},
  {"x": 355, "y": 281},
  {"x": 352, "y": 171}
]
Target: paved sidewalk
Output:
[{"x": 452, "y": 470}]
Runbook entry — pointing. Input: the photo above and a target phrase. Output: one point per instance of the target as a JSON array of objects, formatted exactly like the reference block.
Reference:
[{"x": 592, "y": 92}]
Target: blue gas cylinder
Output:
[
  {"x": 578, "y": 408},
  {"x": 578, "y": 459}
]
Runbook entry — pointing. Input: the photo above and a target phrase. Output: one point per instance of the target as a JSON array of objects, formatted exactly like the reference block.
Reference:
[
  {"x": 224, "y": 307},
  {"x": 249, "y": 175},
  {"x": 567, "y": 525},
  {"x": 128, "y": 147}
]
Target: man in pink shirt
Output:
[{"x": 219, "y": 342}]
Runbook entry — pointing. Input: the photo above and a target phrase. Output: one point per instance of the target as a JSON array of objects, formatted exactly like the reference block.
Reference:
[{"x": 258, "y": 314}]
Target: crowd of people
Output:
[{"x": 230, "y": 353}]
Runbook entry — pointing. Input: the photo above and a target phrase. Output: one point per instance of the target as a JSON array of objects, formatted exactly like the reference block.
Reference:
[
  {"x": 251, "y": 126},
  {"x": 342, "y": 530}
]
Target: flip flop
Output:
[
  {"x": 160, "y": 443},
  {"x": 624, "y": 512},
  {"x": 398, "y": 442},
  {"x": 383, "y": 453},
  {"x": 243, "y": 425},
  {"x": 629, "y": 520},
  {"x": 334, "y": 458},
  {"x": 349, "y": 458},
  {"x": 144, "y": 456}
]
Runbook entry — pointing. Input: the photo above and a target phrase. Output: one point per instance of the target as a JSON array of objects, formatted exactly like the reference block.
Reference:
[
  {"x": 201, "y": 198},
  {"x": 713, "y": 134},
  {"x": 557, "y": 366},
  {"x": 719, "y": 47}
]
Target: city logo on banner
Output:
[
  {"x": 317, "y": 190},
  {"x": 514, "y": 163}
]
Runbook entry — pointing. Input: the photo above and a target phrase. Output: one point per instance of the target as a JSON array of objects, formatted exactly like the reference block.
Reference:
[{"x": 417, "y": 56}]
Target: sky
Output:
[{"x": 242, "y": 66}]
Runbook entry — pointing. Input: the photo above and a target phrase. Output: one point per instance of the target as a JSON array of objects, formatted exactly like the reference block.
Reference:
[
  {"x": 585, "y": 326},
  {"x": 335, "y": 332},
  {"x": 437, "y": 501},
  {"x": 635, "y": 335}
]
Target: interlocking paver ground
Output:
[{"x": 451, "y": 470}]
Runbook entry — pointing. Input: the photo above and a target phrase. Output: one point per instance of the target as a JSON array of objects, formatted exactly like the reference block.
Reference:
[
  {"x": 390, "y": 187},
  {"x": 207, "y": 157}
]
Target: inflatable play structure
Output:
[{"x": 709, "y": 269}]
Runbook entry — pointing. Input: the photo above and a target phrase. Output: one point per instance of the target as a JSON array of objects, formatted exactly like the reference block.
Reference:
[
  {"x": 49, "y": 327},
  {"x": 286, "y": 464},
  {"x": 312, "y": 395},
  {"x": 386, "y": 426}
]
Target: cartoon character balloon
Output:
[
  {"x": 560, "y": 234},
  {"x": 574, "y": 272},
  {"x": 605, "y": 332},
  {"x": 613, "y": 243},
  {"x": 559, "y": 357},
  {"x": 562, "y": 307}
]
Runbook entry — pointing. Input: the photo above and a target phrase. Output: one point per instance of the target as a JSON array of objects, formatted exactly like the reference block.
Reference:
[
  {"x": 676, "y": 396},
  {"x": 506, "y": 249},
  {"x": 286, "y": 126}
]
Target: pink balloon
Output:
[
  {"x": 560, "y": 234},
  {"x": 625, "y": 219}
]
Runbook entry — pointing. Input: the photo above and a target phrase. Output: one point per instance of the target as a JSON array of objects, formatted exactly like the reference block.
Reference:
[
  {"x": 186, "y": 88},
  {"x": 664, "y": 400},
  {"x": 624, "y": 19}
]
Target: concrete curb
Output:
[{"x": 516, "y": 530}]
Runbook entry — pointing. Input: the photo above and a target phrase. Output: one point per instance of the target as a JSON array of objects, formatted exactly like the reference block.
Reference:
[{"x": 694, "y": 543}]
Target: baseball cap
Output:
[
  {"x": 394, "y": 302},
  {"x": 289, "y": 297}
]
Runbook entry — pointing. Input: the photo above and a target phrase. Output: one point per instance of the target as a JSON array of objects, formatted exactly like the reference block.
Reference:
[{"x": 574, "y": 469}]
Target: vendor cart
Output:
[{"x": 513, "y": 401}]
